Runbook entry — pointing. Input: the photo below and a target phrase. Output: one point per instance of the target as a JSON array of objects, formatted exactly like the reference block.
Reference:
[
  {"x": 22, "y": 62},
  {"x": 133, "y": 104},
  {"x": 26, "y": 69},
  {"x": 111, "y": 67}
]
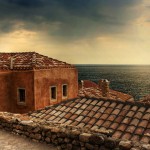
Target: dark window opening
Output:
[
  {"x": 21, "y": 93},
  {"x": 64, "y": 90},
  {"x": 53, "y": 92}
]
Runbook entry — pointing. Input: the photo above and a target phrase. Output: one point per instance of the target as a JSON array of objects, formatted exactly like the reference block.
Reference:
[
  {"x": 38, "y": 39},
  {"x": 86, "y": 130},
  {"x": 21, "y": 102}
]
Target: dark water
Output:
[{"x": 131, "y": 79}]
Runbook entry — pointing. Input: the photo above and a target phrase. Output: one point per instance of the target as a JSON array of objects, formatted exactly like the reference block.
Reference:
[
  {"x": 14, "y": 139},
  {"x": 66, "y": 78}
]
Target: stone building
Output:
[{"x": 30, "y": 81}]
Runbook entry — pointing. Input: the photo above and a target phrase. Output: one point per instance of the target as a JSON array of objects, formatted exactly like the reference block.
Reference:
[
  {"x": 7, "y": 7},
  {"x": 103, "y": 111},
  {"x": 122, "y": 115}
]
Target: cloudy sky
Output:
[{"x": 78, "y": 31}]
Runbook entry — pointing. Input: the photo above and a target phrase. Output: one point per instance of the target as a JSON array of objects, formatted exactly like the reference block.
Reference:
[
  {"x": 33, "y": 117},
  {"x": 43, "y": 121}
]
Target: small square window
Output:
[
  {"x": 21, "y": 95},
  {"x": 64, "y": 90},
  {"x": 53, "y": 93}
]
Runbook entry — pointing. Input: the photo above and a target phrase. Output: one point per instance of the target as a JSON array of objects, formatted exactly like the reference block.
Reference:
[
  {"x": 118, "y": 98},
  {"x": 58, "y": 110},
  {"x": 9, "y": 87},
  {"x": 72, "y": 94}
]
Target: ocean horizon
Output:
[{"x": 131, "y": 79}]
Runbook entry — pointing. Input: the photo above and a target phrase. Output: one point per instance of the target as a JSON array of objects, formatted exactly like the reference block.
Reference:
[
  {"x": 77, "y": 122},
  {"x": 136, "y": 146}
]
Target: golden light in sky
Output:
[{"x": 89, "y": 32}]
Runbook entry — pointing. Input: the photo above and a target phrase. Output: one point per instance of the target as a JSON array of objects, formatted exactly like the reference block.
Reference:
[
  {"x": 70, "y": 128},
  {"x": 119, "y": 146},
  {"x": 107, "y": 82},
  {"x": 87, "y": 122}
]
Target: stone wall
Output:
[{"x": 64, "y": 136}]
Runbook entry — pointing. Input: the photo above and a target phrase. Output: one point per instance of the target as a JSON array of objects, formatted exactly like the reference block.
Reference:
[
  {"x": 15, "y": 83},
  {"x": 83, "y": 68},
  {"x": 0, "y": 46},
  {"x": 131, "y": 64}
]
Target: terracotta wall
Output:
[
  {"x": 22, "y": 79},
  {"x": 5, "y": 79},
  {"x": 37, "y": 85},
  {"x": 54, "y": 77}
]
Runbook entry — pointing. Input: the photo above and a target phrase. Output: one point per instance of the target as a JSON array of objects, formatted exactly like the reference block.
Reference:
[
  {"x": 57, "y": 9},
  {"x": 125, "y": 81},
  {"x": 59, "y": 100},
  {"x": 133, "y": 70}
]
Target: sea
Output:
[{"x": 130, "y": 79}]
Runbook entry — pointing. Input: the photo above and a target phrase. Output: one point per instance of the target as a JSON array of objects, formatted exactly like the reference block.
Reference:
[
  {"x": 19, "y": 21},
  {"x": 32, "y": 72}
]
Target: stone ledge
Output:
[{"x": 65, "y": 136}]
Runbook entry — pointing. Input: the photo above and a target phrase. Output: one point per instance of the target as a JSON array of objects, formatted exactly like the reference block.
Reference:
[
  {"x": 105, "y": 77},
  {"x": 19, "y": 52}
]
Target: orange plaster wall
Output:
[
  {"x": 43, "y": 79},
  {"x": 22, "y": 79},
  {"x": 5, "y": 79}
]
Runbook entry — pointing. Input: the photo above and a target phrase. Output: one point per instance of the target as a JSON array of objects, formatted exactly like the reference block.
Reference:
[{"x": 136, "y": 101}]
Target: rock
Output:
[
  {"x": 69, "y": 146},
  {"x": 110, "y": 143},
  {"x": 55, "y": 129},
  {"x": 89, "y": 146},
  {"x": 76, "y": 142},
  {"x": 97, "y": 139},
  {"x": 66, "y": 140},
  {"x": 125, "y": 145},
  {"x": 48, "y": 134},
  {"x": 74, "y": 134},
  {"x": 48, "y": 140},
  {"x": 60, "y": 140},
  {"x": 145, "y": 147},
  {"x": 26, "y": 122},
  {"x": 36, "y": 130},
  {"x": 37, "y": 136},
  {"x": 103, "y": 148},
  {"x": 84, "y": 137}
]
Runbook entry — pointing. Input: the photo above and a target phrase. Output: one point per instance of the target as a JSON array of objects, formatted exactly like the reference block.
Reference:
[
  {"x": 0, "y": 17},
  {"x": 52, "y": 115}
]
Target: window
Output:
[
  {"x": 21, "y": 95},
  {"x": 64, "y": 90},
  {"x": 53, "y": 93}
]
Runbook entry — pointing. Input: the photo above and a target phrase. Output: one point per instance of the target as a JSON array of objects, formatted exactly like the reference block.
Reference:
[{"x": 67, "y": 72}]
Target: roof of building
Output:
[
  {"x": 145, "y": 100},
  {"x": 125, "y": 120},
  {"x": 28, "y": 61},
  {"x": 92, "y": 90}
]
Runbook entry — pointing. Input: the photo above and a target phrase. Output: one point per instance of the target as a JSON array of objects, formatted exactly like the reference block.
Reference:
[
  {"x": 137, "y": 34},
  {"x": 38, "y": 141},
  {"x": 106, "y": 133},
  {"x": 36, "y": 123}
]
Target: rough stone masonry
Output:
[{"x": 64, "y": 136}]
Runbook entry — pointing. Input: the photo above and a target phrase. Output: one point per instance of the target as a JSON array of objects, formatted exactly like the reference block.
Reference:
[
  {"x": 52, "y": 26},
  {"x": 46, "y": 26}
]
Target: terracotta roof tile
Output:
[
  {"x": 97, "y": 115},
  {"x": 119, "y": 119},
  {"x": 80, "y": 118},
  {"x": 130, "y": 129},
  {"x": 84, "y": 106},
  {"x": 84, "y": 113},
  {"x": 126, "y": 120},
  {"x": 111, "y": 118},
  {"x": 143, "y": 124},
  {"x": 135, "y": 122},
  {"x": 68, "y": 115},
  {"x": 28, "y": 61},
  {"x": 135, "y": 138},
  {"x": 96, "y": 108},
  {"x": 146, "y": 116},
  {"x": 119, "y": 106},
  {"x": 86, "y": 120},
  {"x": 99, "y": 122},
  {"x": 139, "y": 131},
  {"x": 92, "y": 121},
  {"x": 122, "y": 127},
  {"x": 138, "y": 115},
  {"x": 117, "y": 134},
  {"x": 104, "y": 116},
  {"x": 62, "y": 114},
  {"x": 108, "y": 110},
  {"x": 107, "y": 124},
  {"x": 126, "y": 136},
  {"x": 145, "y": 139},
  {"x": 116, "y": 112},
  {"x": 73, "y": 117},
  {"x": 130, "y": 114},
  {"x": 63, "y": 120},
  {"x": 91, "y": 113},
  {"x": 134, "y": 108},
  {"x": 114, "y": 126}
]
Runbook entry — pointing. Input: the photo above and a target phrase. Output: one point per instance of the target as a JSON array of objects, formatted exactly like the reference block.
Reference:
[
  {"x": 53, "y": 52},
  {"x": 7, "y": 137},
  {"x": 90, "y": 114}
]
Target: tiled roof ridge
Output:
[
  {"x": 119, "y": 101},
  {"x": 34, "y": 61},
  {"x": 132, "y": 103}
]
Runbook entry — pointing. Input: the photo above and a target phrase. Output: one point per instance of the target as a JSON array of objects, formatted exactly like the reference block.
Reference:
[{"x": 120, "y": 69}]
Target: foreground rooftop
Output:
[{"x": 124, "y": 120}]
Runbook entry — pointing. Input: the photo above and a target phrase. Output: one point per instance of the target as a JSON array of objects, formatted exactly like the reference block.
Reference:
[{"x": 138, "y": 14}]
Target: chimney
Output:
[
  {"x": 34, "y": 59},
  {"x": 11, "y": 62},
  {"x": 82, "y": 84},
  {"x": 104, "y": 86}
]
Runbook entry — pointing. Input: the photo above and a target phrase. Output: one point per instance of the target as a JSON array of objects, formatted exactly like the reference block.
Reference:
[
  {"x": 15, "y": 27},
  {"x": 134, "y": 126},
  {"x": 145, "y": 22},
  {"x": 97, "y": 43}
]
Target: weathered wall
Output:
[
  {"x": 5, "y": 79},
  {"x": 37, "y": 85},
  {"x": 43, "y": 79},
  {"x": 22, "y": 79},
  {"x": 66, "y": 137}
]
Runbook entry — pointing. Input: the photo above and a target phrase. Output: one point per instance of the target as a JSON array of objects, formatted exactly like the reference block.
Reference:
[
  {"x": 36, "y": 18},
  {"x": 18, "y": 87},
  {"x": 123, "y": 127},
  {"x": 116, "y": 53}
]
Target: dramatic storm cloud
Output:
[{"x": 101, "y": 30}]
